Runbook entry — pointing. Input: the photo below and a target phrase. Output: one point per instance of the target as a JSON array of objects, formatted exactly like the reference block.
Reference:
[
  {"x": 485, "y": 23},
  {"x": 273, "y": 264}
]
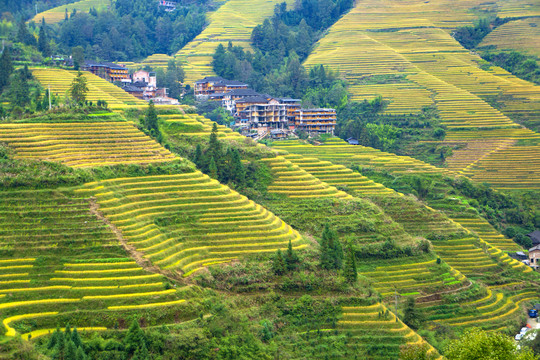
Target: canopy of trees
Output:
[{"x": 132, "y": 30}]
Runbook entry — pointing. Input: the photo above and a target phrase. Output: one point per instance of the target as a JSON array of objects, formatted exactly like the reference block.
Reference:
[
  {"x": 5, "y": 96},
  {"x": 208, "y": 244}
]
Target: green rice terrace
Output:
[
  {"x": 400, "y": 222},
  {"x": 139, "y": 234}
]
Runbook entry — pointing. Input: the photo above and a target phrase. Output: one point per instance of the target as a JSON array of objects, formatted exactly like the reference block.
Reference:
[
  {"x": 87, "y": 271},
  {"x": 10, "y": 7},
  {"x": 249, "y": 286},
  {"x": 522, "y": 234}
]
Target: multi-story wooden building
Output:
[
  {"x": 216, "y": 85},
  {"x": 315, "y": 121},
  {"x": 109, "y": 71},
  {"x": 259, "y": 112}
]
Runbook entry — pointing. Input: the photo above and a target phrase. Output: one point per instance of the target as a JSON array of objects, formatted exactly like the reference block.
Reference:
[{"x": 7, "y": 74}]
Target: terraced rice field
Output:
[
  {"x": 197, "y": 125},
  {"x": 489, "y": 312},
  {"x": 421, "y": 278},
  {"x": 57, "y": 14},
  {"x": 487, "y": 233},
  {"x": 83, "y": 144},
  {"x": 404, "y": 51},
  {"x": 376, "y": 332},
  {"x": 294, "y": 182},
  {"x": 186, "y": 222},
  {"x": 521, "y": 35},
  {"x": 337, "y": 175},
  {"x": 339, "y": 152},
  {"x": 233, "y": 21},
  {"x": 59, "y": 263},
  {"x": 99, "y": 89},
  {"x": 514, "y": 168}
]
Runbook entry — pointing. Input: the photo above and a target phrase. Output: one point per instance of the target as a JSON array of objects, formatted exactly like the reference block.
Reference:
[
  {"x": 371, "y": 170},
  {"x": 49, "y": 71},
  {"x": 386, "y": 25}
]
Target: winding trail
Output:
[{"x": 133, "y": 253}]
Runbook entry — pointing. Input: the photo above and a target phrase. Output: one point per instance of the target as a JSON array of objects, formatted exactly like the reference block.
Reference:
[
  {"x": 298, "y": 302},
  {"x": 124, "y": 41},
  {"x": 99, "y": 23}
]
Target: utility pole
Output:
[
  {"x": 395, "y": 301},
  {"x": 36, "y": 9},
  {"x": 50, "y": 104}
]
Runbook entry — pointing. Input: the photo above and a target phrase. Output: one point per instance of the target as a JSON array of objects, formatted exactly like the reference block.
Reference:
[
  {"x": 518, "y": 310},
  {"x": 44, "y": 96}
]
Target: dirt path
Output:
[{"x": 133, "y": 253}]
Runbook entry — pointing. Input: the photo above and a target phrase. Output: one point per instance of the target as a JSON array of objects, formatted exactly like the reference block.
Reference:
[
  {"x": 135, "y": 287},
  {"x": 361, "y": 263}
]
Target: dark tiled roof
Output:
[
  {"x": 242, "y": 92},
  {"x": 535, "y": 237},
  {"x": 254, "y": 99},
  {"x": 104, "y": 64},
  {"x": 131, "y": 88},
  {"x": 220, "y": 81}
]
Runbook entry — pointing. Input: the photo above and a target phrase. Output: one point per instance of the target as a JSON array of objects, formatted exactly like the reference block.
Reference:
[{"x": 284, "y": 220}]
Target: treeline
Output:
[
  {"x": 25, "y": 9},
  {"x": 471, "y": 36},
  {"x": 226, "y": 165},
  {"x": 521, "y": 65},
  {"x": 132, "y": 30},
  {"x": 281, "y": 44}
]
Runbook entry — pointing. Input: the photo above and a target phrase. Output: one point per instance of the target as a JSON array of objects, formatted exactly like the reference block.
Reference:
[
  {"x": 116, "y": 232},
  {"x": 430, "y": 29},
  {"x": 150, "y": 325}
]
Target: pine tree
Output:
[
  {"x": 43, "y": 41},
  {"x": 78, "y": 89},
  {"x": 151, "y": 118},
  {"x": 325, "y": 258},
  {"x": 290, "y": 257},
  {"x": 331, "y": 250},
  {"x": 80, "y": 355},
  {"x": 337, "y": 252},
  {"x": 45, "y": 102},
  {"x": 350, "y": 271},
  {"x": 212, "y": 168},
  {"x": 411, "y": 315},
  {"x": 238, "y": 170},
  {"x": 278, "y": 265},
  {"x": 71, "y": 351},
  {"x": 197, "y": 157},
  {"x": 214, "y": 145},
  {"x": 76, "y": 338},
  {"x": 6, "y": 68},
  {"x": 56, "y": 336},
  {"x": 24, "y": 36},
  {"x": 19, "y": 92},
  {"x": 141, "y": 353},
  {"x": 134, "y": 338}
]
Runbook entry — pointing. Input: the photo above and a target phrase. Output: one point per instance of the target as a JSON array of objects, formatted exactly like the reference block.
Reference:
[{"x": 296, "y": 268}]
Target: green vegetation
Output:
[
  {"x": 523, "y": 66},
  {"x": 478, "y": 344}
]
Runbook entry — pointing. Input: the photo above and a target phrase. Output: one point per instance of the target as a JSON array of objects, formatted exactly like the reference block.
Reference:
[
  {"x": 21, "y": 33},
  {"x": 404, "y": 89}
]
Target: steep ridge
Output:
[
  {"x": 186, "y": 222},
  {"x": 403, "y": 51}
]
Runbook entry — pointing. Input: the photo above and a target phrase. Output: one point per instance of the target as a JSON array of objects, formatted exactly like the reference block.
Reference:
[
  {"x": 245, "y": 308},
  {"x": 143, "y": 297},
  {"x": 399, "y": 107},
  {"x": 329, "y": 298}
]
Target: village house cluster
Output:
[
  {"x": 141, "y": 84},
  {"x": 259, "y": 115}
]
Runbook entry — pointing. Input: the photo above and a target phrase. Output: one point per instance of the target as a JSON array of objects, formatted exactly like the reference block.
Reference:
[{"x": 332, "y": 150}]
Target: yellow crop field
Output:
[
  {"x": 83, "y": 144},
  {"x": 99, "y": 89},
  {"x": 57, "y": 14},
  {"x": 404, "y": 51},
  {"x": 521, "y": 35},
  {"x": 377, "y": 321},
  {"x": 233, "y": 21},
  {"x": 234, "y": 227},
  {"x": 293, "y": 181}
]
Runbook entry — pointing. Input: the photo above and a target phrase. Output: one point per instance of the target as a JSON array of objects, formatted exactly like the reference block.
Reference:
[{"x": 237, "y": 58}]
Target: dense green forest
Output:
[{"x": 132, "y": 30}]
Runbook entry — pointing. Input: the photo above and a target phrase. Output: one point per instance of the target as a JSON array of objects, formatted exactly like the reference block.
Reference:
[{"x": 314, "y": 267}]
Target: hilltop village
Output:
[{"x": 268, "y": 179}]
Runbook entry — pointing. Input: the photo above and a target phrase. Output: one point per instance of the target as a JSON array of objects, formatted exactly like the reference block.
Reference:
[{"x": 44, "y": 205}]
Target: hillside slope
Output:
[
  {"x": 233, "y": 21},
  {"x": 405, "y": 53}
]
